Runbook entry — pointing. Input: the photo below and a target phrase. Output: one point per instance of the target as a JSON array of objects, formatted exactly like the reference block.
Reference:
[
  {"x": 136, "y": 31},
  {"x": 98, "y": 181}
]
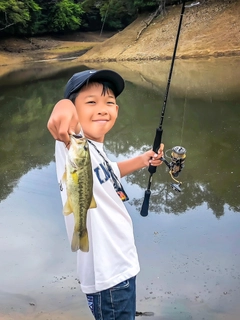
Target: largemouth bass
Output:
[{"x": 79, "y": 185}]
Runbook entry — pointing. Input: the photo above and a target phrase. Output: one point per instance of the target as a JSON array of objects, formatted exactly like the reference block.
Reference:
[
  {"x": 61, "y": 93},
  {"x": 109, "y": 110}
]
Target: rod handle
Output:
[
  {"x": 156, "y": 145},
  {"x": 145, "y": 205}
]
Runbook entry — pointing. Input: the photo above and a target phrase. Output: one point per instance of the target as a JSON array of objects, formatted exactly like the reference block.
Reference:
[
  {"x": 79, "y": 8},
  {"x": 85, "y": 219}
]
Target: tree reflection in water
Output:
[{"x": 208, "y": 129}]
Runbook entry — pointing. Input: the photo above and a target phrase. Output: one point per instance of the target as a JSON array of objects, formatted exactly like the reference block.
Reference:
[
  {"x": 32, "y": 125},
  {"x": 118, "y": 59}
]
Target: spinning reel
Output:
[{"x": 178, "y": 156}]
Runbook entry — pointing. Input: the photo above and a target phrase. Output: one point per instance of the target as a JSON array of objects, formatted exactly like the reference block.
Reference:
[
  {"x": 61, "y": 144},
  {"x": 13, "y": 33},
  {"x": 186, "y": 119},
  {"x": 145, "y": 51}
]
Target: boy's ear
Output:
[{"x": 117, "y": 108}]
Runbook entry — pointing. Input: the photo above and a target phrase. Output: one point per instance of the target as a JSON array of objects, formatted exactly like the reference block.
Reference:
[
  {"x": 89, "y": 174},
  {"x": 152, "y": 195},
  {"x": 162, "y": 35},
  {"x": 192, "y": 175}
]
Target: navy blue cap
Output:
[{"x": 78, "y": 80}]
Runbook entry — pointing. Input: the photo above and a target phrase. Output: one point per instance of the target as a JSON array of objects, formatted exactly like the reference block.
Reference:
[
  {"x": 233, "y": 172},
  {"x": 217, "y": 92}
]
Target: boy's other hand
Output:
[
  {"x": 63, "y": 121},
  {"x": 153, "y": 159}
]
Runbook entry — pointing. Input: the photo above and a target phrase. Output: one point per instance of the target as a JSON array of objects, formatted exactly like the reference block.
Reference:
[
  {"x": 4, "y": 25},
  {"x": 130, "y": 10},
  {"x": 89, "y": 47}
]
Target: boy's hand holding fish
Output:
[{"x": 63, "y": 121}]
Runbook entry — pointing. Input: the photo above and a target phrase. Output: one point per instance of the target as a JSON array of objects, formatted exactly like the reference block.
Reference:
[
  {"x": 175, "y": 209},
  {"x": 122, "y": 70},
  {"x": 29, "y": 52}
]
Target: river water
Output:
[{"x": 188, "y": 244}]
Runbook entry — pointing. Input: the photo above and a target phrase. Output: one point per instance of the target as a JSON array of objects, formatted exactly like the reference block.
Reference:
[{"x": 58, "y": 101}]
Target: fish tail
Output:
[
  {"x": 84, "y": 243},
  {"x": 80, "y": 241}
]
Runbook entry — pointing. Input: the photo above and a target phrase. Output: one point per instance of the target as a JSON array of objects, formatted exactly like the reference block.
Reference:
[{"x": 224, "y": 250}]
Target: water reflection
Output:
[
  {"x": 208, "y": 130},
  {"x": 190, "y": 260}
]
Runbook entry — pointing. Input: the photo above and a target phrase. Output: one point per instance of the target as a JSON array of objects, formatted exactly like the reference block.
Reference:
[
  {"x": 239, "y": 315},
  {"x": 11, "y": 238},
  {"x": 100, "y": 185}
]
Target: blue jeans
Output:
[{"x": 116, "y": 303}]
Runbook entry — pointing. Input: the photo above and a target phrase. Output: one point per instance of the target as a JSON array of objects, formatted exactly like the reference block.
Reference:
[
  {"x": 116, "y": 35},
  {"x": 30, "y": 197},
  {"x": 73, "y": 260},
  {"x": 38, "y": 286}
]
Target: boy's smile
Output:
[{"x": 97, "y": 111}]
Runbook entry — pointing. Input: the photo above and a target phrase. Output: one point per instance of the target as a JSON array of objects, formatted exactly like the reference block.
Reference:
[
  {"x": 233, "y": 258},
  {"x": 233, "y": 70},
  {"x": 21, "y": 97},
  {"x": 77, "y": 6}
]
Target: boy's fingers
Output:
[
  {"x": 160, "y": 151},
  {"x": 78, "y": 127},
  {"x": 68, "y": 144},
  {"x": 61, "y": 127},
  {"x": 64, "y": 137},
  {"x": 74, "y": 129},
  {"x": 53, "y": 130},
  {"x": 62, "y": 133},
  {"x": 161, "y": 148}
]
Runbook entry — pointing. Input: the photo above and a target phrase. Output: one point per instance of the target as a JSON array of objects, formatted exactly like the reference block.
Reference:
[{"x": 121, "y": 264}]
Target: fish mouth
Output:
[
  {"x": 77, "y": 139},
  {"x": 77, "y": 136}
]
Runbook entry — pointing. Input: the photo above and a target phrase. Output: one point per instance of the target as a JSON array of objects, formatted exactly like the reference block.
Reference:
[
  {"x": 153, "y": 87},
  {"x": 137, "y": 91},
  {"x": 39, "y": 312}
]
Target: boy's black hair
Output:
[{"x": 106, "y": 87}]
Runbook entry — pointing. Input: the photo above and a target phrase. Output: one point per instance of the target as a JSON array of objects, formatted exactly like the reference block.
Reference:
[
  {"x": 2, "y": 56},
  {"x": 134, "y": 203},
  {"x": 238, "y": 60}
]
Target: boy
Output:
[{"x": 108, "y": 271}]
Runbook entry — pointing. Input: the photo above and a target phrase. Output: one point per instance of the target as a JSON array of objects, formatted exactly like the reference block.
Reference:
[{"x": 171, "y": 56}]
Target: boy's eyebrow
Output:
[{"x": 92, "y": 96}]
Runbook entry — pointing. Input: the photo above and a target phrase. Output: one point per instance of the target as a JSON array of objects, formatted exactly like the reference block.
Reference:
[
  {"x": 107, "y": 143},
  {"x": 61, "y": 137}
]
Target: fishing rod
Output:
[{"x": 178, "y": 154}]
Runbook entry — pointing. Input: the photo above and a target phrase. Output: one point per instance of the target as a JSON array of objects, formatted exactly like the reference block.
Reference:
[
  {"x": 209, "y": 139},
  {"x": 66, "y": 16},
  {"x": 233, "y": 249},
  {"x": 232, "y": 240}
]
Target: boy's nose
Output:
[{"x": 102, "y": 110}]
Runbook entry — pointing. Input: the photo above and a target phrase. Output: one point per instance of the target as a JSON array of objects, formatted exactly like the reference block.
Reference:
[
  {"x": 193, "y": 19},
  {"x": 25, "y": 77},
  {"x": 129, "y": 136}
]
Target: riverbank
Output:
[
  {"x": 209, "y": 29},
  {"x": 15, "y": 53}
]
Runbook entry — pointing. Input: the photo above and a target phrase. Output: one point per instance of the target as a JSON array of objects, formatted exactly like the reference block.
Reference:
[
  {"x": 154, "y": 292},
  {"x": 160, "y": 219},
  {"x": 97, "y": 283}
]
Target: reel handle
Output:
[{"x": 156, "y": 145}]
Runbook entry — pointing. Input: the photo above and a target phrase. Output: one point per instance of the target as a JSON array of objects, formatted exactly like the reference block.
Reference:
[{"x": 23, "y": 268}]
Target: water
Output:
[{"x": 188, "y": 244}]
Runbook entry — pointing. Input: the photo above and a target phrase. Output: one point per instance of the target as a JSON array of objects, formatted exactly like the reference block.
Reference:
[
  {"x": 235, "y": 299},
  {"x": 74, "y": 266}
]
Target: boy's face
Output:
[{"x": 97, "y": 112}]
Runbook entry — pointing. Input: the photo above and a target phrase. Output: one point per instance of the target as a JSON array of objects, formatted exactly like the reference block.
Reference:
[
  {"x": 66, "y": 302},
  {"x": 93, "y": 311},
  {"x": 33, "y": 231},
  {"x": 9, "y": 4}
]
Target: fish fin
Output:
[
  {"x": 67, "y": 209},
  {"x": 80, "y": 242},
  {"x": 93, "y": 203}
]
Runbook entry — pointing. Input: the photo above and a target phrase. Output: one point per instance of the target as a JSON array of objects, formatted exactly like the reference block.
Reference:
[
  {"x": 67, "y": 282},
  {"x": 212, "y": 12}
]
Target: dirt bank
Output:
[
  {"x": 209, "y": 29},
  {"x": 15, "y": 52}
]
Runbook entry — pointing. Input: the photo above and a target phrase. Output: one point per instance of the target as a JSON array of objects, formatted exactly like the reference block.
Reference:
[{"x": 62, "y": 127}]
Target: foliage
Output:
[
  {"x": 142, "y": 4},
  {"x": 16, "y": 14},
  {"x": 65, "y": 15},
  {"x": 116, "y": 14},
  {"x": 34, "y": 17},
  {"x": 38, "y": 16}
]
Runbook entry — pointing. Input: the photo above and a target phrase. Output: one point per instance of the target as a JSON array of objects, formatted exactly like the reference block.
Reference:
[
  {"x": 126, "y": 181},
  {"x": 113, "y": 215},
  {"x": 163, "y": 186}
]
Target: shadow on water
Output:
[{"x": 189, "y": 259}]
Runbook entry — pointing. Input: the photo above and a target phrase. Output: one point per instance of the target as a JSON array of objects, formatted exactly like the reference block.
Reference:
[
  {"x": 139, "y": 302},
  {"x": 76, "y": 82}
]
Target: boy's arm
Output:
[
  {"x": 63, "y": 120},
  {"x": 144, "y": 160}
]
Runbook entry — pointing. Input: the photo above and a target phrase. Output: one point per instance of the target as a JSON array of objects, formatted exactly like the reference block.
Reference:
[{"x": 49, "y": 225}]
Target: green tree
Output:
[
  {"x": 117, "y": 14},
  {"x": 34, "y": 17},
  {"x": 114, "y": 14},
  {"x": 146, "y": 5},
  {"x": 65, "y": 15},
  {"x": 16, "y": 14}
]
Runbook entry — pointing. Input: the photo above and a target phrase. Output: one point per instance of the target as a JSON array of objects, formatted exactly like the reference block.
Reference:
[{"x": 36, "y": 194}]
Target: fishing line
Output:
[
  {"x": 178, "y": 154},
  {"x": 183, "y": 119}
]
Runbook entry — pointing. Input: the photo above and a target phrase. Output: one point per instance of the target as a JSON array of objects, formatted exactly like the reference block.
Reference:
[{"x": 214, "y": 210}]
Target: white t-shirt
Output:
[{"x": 112, "y": 256}]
